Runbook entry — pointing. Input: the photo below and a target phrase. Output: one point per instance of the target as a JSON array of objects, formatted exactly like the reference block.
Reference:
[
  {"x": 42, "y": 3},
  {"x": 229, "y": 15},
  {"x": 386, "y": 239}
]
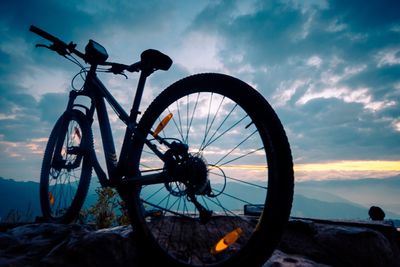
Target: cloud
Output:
[
  {"x": 348, "y": 95},
  {"x": 202, "y": 44},
  {"x": 331, "y": 69},
  {"x": 388, "y": 57},
  {"x": 51, "y": 106}
]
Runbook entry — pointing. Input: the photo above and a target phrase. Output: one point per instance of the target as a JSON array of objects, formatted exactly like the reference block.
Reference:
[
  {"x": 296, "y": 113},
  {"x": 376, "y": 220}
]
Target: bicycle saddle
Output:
[{"x": 154, "y": 59}]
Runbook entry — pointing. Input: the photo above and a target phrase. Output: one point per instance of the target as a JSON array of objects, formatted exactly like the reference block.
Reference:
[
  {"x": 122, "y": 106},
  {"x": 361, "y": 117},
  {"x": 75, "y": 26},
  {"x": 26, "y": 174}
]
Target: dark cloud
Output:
[
  {"x": 21, "y": 129},
  {"x": 271, "y": 30},
  {"x": 278, "y": 31},
  {"x": 331, "y": 129},
  {"x": 4, "y": 59},
  {"x": 380, "y": 80},
  {"x": 16, "y": 103},
  {"x": 51, "y": 106},
  {"x": 55, "y": 16},
  {"x": 19, "y": 113},
  {"x": 366, "y": 16}
]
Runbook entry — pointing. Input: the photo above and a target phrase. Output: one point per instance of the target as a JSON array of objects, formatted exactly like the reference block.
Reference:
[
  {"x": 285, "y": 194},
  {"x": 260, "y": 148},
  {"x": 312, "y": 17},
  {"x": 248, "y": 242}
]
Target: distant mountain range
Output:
[
  {"x": 338, "y": 199},
  {"x": 357, "y": 195},
  {"x": 19, "y": 196}
]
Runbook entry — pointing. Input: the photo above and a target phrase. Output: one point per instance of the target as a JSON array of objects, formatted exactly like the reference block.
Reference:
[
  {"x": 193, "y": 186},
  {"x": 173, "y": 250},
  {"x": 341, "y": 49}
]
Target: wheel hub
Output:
[
  {"x": 196, "y": 175},
  {"x": 189, "y": 174}
]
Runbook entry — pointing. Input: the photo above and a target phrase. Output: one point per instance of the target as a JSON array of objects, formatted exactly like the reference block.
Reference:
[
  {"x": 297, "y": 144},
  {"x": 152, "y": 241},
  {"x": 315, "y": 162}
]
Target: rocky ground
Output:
[{"x": 305, "y": 243}]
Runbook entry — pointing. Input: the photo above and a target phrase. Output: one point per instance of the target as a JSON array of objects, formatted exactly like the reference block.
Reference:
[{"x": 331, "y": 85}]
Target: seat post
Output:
[
  {"x": 122, "y": 168},
  {"x": 138, "y": 97}
]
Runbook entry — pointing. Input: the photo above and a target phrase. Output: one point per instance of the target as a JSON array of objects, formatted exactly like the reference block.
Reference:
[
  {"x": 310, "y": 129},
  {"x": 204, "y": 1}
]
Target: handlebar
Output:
[
  {"x": 45, "y": 35},
  {"x": 59, "y": 46},
  {"x": 64, "y": 49}
]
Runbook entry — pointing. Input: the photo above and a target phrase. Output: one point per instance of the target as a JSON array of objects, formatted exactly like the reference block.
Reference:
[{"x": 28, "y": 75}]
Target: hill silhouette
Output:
[
  {"x": 317, "y": 199},
  {"x": 22, "y": 197}
]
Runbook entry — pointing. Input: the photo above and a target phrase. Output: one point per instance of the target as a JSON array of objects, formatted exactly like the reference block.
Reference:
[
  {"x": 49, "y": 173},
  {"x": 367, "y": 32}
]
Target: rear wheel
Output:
[
  {"x": 231, "y": 175},
  {"x": 66, "y": 168}
]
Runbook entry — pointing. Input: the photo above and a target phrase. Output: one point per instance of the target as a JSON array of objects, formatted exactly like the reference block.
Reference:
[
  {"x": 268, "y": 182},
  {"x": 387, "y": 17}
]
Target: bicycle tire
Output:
[
  {"x": 258, "y": 243},
  {"x": 63, "y": 188}
]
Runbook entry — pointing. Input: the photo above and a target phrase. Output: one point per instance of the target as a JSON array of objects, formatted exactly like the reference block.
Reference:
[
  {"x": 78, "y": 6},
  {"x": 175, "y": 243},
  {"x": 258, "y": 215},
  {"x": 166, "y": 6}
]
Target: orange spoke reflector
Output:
[
  {"x": 51, "y": 198},
  {"x": 226, "y": 241},
  {"x": 162, "y": 124}
]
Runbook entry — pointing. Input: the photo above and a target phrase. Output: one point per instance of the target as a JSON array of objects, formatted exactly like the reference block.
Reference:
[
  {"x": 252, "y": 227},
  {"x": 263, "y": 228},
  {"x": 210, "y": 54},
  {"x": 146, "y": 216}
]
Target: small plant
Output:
[
  {"x": 123, "y": 218},
  {"x": 16, "y": 216},
  {"x": 13, "y": 216},
  {"x": 109, "y": 210}
]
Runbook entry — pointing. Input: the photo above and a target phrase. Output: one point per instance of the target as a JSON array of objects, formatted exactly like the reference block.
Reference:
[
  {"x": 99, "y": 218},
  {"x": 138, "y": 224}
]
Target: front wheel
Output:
[
  {"x": 66, "y": 168},
  {"x": 231, "y": 175}
]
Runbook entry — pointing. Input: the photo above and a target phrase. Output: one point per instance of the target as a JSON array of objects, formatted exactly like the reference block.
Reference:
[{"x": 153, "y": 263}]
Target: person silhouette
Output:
[{"x": 376, "y": 213}]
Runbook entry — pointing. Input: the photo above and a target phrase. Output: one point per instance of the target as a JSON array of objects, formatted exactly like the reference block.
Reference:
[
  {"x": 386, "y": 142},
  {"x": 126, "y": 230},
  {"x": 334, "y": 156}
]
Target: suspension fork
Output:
[{"x": 58, "y": 161}]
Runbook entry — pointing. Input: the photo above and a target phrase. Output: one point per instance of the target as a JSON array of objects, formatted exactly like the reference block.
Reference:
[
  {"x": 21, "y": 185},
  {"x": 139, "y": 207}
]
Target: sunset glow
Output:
[
  {"x": 350, "y": 166},
  {"x": 356, "y": 169},
  {"x": 356, "y": 165},
  {"x": 346, "y": 170}
]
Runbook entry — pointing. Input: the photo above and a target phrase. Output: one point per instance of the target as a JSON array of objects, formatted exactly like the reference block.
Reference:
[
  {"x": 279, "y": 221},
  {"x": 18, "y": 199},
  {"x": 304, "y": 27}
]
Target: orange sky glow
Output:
[
  {"x": 335, "y": 170},
  {"x": 346, "y": 170}
]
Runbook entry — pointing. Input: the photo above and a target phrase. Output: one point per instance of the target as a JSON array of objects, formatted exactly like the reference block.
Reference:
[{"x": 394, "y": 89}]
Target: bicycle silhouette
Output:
[{"x": 206, "y": 174}]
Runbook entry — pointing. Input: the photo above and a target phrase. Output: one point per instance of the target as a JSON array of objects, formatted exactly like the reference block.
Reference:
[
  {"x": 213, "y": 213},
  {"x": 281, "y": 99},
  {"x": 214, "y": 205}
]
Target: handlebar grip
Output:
[{"x": 44, "y": 34}]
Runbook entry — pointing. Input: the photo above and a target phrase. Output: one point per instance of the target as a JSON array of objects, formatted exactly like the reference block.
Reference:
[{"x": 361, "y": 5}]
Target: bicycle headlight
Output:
[{"x": 95, "y": 53}]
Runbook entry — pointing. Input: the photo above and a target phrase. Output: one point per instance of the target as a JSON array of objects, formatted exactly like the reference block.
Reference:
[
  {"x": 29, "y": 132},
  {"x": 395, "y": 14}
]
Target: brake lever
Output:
[
  {"x": 123, "y": 74},
  {"x": 54, "y": 47},
  {"x": 117, "y": 73},
  {"x": 118, "y": 69}
]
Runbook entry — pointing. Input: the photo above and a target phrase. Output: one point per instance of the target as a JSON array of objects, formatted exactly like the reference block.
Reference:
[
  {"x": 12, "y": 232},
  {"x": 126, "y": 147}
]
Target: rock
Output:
[
  {"x": 343, "y": 244},
  {"x": 281, "y": 259},
  {"x": 112, "y": 247},
  {"x": 305, "y": 243},
  {"x": 66, "y": 245}
]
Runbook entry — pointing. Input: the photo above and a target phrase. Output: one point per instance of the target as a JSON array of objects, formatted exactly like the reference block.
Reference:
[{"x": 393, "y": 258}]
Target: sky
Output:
[{"x": 330, "y": 69}]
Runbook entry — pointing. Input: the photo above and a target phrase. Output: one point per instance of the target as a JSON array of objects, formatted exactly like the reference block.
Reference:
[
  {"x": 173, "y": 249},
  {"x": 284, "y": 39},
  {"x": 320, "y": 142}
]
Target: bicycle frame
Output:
[
  {"x": 97, "y": 92},
  {"x": 186, "y": 187}
]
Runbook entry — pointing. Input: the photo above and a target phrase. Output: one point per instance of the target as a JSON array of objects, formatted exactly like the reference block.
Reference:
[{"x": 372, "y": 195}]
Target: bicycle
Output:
[{"x": 206, "y": 174}]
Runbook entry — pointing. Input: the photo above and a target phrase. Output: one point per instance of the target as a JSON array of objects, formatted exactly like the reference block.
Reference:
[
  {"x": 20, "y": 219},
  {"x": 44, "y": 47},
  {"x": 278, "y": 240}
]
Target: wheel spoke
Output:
[
  {"x": 241, "y": 181},
  {"x": 242, "y": 156},
  {"x": 191, "y": 118},
  {"x": 213, "y": 119},
  {"x": 240, "y": 143},
  {"x": 223, "y": 133},
  {"x": 203, "y": 146},
  {"x": 176, "y": 125}
]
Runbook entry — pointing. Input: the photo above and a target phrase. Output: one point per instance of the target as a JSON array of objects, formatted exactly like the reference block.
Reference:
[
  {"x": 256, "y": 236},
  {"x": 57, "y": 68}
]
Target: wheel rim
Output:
[{"x": 219, "y": 131}]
